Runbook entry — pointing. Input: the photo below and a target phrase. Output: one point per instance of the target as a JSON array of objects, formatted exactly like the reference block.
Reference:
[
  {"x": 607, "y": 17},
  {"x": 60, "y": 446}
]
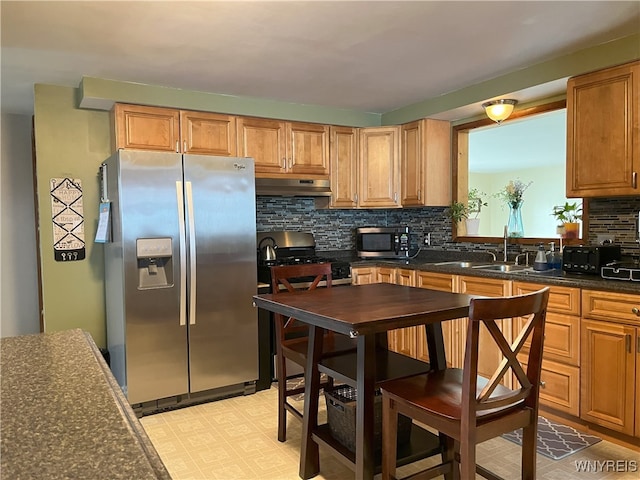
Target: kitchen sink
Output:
[
  {"x": 501, "y": 268},
  {"x": 456, "y": 264}
]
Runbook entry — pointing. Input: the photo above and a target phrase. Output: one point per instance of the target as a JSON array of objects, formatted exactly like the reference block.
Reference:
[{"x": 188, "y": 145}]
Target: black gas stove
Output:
[{"x": 293, "y": 248}]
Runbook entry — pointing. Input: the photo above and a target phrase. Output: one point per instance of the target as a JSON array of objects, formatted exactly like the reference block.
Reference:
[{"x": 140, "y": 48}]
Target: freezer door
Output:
[
  {"x": 150, "y": 213},
  {"x": 221, "y": 234}
]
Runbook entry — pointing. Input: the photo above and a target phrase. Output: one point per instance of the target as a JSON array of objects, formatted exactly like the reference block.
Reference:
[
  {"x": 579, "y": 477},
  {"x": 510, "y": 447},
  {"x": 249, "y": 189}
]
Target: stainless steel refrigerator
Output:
[{"x": 180, "y": 269}]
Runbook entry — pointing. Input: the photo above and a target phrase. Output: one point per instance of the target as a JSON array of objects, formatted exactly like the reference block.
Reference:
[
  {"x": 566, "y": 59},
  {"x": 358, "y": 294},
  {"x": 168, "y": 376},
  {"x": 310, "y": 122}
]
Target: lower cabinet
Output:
[
  {"x": 591, "y": 357},
  {"x": 610, "y": 377},
  {"x": 560, "y": 388}
]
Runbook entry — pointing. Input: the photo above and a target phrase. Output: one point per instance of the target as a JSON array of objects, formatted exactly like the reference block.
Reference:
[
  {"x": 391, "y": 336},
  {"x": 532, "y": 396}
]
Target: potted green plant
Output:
[
  {"x": 458, "y": 211},
  {"x": 568, "y": 217},
  {"x": 476, "y": 202}
]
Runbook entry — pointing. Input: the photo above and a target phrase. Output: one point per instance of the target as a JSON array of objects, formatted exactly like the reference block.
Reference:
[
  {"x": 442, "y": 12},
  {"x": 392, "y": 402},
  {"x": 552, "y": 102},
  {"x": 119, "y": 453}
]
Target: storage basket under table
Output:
[{"x": 341, "y": 416}]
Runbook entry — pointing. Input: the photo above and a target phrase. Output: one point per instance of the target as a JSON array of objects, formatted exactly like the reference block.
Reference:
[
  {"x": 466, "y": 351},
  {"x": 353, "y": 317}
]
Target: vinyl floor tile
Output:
[{"x": 236, "y": 439}]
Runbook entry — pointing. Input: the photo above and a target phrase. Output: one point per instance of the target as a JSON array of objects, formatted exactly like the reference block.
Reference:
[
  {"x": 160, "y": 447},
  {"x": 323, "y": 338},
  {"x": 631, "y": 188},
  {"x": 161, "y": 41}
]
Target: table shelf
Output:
[
  {"x": 422, "y": 444},
  {"x": 389, "y": 365}
]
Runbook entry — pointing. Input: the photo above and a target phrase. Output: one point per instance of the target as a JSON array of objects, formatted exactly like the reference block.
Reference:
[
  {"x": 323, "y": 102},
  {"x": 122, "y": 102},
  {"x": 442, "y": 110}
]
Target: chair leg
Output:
[
  {"x": 389, "y": 438},
  {"x": 529, "y": 446},
  {"x": 448, "y": 456},
  {"x": 467, "y": 458},
  {"x": 282, "y": 398}
]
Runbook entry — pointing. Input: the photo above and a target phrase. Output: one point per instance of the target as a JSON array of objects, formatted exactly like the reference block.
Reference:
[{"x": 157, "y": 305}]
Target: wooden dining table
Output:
[{"x": 365, "y": 313}]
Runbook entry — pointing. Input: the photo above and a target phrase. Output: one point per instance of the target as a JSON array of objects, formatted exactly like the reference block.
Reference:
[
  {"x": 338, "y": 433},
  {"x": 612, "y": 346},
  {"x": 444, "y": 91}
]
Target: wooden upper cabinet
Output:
[
  {"x": 343, "y": 157},
  {"x": 426, "y": 163},
  {"x": 379, "y": 161},
  {"x": 603, "y": 139},
  {"x": 281, "y": 148},
  {"x": 145, "y": 128},
  {"x": 265, "y": 141},
  {"x": 308, "y": 148},
  {"x": 208, "y": 133},
  {"x": 165, "y": 129}
]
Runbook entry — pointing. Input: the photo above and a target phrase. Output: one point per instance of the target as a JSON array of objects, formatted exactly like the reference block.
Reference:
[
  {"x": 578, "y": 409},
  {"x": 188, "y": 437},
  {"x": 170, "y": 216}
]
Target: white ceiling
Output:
[{"x": 371, "y": 56}]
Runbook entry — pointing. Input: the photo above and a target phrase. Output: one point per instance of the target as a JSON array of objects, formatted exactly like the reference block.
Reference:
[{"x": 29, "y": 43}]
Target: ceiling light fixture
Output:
[{"x": 499, "y": 110}]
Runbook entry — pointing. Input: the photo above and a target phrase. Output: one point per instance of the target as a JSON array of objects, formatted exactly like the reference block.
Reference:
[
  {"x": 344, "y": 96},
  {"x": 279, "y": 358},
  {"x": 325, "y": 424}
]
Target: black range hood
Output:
[{"x": 293, "y": 187}]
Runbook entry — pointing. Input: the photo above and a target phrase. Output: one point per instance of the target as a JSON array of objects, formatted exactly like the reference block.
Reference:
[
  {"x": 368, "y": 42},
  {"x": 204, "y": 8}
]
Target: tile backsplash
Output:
[{"x": 334, "y": 229}]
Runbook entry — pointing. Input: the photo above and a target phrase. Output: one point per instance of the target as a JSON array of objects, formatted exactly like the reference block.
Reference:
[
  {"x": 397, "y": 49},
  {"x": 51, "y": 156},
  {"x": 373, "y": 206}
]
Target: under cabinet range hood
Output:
[{"x": 293, "y": 187}]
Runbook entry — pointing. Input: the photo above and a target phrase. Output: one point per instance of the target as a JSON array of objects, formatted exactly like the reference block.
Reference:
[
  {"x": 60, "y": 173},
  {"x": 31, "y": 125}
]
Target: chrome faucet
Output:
[
  {"x": 526, "y": 258},
  {"x": 504, "y": 257}
]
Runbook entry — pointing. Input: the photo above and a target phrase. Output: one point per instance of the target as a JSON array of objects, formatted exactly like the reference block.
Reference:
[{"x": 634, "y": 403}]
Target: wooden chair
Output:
[
  {"x": 291, "y": 336},
  {"x": 470, "y": 409}
]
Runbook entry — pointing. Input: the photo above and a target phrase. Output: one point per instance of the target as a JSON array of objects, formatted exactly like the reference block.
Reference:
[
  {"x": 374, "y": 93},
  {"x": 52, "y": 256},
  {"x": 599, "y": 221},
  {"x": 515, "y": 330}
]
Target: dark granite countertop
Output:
[
  {"x": 426, "y": 261},
  {"x": 65, "y": 417}
]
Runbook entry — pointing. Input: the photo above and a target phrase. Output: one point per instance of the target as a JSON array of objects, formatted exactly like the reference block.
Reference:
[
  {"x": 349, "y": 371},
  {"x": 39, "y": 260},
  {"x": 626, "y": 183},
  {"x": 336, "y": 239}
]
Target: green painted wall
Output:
[
  {"x": 70, "y": 142},
  {"x": 101, "y": 94}
]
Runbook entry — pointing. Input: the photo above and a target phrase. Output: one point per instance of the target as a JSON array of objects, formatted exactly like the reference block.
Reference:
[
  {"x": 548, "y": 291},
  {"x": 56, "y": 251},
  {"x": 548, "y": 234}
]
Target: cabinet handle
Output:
[
  {"x": 355, "y": 198},
  {"x": 177, "y": 146},
  {"x": 636, "y": 310},
  {"x": 635, "y": 179},
  {"x": 184, "y": 146},
  {"x": 543, "y": 384},
  {"x": 395, "y": 197},
  {"x": 419, "y": 194},
  {"x": 627, "y": 343}
]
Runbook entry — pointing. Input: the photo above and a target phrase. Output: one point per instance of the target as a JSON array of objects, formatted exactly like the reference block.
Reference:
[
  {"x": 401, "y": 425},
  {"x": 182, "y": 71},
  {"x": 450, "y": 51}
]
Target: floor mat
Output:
[{"x": 555, "y": 440}]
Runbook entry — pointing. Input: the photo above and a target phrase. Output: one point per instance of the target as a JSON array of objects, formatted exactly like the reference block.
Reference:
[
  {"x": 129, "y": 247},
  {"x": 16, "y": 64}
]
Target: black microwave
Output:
[{"x": 382, "y": 242}]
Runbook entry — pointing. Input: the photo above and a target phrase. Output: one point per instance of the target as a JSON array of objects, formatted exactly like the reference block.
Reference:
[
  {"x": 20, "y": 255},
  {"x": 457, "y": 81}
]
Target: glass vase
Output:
[{"x": 515, "y": 228}]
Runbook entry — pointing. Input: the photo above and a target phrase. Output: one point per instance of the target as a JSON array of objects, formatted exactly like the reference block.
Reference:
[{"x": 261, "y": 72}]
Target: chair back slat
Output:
[
  {"x": 284, "y": 275},
  {"x": 486, "y": 311}
]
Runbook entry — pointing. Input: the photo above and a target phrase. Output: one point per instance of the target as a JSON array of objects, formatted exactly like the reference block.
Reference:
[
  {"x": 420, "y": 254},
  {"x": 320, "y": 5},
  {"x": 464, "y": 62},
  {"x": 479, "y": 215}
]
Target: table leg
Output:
[
  {"x": 365, "y": 384},
  {"x": 438, "y": 361},
  {"x": 435, "y": 343},
  {"x": 309, "y": 454}
]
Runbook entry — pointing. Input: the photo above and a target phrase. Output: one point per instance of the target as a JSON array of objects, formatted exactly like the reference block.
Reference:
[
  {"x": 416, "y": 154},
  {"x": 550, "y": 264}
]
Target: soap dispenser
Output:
[
  {"x": 554, "y": 259},
  {"x": 540, "y": 263}
]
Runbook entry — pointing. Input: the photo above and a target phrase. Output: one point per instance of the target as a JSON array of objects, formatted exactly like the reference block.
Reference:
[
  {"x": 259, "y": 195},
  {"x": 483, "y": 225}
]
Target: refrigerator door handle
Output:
[
  {"x": 183, "y": 255},
  {"x": 192, "y": 255}
]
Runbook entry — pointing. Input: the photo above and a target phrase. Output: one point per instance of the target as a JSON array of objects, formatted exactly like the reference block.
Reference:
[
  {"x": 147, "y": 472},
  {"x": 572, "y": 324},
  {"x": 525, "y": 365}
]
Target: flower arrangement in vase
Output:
[{"x": 512, "y": 194}]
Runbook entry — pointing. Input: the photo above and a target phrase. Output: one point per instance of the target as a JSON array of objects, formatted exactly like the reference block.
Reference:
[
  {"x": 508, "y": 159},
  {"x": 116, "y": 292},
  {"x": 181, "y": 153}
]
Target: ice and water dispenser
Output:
[{"x": 155, "y": 263}]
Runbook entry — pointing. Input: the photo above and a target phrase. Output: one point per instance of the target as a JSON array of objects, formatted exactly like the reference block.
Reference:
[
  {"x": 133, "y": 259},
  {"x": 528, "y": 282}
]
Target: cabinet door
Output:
[
  {"x": 425, "y": 167},
  {"x": 363, "y": 275},
  {"x": 379, "y": 183},
  {"x": 602, "y": 132},
  {"x": 410, "y": 164},
  {"x": 265, "y": 141},
  {"x": 344, "y": 166},
  {"x": 608, "y": 375},
  {"x": 385, "y": 275},
  {"x": 208, "y": 133},
  {"x": 451, "y": 329},
  {"x": 559, "y": 386},
  {"x": 308, "y": 149},
  {"x": 146, "y": 128},
  {"x": 489, "y": 353},
  {"x": 403, "y": 340}
]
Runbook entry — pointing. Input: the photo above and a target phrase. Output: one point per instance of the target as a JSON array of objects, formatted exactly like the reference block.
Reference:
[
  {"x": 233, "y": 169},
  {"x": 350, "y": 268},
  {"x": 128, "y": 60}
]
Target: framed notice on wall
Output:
[{"x": 68, "y": 219}]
